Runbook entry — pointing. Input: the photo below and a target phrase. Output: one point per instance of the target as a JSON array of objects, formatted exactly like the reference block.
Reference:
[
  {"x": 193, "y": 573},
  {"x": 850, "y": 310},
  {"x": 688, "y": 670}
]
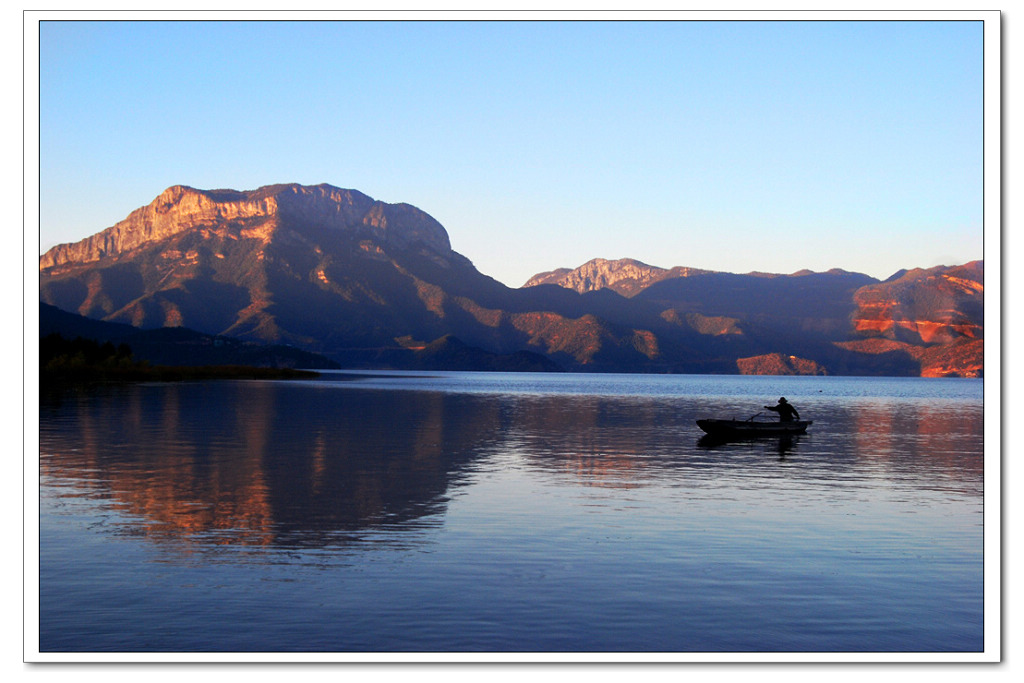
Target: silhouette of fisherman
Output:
[{"x": 785, "y": 410}]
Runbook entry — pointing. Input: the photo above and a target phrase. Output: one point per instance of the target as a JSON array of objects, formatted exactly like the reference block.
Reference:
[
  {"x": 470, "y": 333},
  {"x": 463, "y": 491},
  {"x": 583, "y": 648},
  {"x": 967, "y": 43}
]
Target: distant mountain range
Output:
[{"x": 368, "y": 284}]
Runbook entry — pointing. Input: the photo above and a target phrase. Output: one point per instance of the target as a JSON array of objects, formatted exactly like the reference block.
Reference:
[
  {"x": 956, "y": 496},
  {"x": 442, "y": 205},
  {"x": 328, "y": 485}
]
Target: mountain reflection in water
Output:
[
  {"x": 490, "y": 512},
  {"x": 274, "y": 464},
  {"x": 252, "y": 463}
]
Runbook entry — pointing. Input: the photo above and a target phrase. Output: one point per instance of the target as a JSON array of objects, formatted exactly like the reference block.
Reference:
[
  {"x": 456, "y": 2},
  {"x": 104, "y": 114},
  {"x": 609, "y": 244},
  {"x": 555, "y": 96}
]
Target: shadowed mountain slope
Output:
[{"x": 335, "y": 272}]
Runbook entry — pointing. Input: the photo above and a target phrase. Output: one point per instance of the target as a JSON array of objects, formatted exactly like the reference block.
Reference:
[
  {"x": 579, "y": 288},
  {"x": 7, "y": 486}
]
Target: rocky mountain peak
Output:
[
  {"x": 336, "y": 272},
  {"x": 626, "y": 276},
  {"x": 181, "y": 208}
]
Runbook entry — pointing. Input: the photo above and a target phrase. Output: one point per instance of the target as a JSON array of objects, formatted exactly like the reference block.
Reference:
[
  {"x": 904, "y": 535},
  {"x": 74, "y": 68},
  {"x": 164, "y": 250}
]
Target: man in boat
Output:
[{"x": 785, "y": 410}]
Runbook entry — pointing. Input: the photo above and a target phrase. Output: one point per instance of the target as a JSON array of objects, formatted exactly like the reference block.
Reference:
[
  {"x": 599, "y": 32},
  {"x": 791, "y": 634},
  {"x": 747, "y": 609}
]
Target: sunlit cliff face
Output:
[
  {"x": 927, "y": 331},
  {"x": 254, "y": 215},
  {"x": 923, "y": 306}
]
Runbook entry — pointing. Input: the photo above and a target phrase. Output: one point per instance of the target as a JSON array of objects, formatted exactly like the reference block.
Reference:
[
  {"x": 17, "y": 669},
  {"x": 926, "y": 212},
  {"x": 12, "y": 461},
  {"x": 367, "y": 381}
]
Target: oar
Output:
[{"x": 751, "y": 418}]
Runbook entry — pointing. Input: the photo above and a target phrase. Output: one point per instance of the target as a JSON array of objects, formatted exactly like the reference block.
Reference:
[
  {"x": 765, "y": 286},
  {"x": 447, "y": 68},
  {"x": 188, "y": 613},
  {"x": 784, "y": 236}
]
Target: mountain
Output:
[
  {"x": 256, "y": 214},
  {"x": 323, "y": 269},
  {"x": 624, "y": 276},
  {"x": 309, "y": 266},
  {"x": 177, "y": 346},
  {"x": 935, "y": 315},
  {"x": 937, "y": 305},
  {"x": 372, "y": 284},
  {"x": 921, "y": 321}
]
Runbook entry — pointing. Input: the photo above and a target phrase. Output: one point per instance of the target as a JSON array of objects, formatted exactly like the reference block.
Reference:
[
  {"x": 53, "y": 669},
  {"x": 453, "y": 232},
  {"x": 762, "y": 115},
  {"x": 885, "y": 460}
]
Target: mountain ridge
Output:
[
  {"x": 337, "y": 272},
  {"x": 181, "y": 208}
]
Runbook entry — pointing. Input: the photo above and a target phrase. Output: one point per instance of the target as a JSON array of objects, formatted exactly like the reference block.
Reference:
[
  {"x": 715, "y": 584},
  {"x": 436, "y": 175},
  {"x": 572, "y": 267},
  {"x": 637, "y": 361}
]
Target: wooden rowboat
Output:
[{"x": 752, "y": 428}]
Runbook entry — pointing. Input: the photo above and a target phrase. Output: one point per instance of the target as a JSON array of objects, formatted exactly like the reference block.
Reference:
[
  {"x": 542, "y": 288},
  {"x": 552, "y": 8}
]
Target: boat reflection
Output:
[
  {"x": 782, "y": 443},
  {"x": 254, "y": 464}
]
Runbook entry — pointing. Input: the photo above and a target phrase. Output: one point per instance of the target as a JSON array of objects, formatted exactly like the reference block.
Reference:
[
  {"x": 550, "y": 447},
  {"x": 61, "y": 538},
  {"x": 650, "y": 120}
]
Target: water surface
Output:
[{"x": 468, "y": 512}]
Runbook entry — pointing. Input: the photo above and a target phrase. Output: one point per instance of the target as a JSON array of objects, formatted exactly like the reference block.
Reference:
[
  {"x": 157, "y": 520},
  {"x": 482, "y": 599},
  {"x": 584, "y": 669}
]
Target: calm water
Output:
[{"x": 464, "y": 512}]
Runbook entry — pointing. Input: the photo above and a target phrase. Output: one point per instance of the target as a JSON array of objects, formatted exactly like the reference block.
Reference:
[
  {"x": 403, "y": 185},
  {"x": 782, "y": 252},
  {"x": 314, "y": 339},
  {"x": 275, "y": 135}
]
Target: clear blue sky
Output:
[{"x": 732, "y": 146}]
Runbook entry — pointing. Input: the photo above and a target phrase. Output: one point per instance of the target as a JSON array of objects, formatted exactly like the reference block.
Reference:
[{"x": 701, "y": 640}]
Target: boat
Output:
[{"x": 752, "y": 428}]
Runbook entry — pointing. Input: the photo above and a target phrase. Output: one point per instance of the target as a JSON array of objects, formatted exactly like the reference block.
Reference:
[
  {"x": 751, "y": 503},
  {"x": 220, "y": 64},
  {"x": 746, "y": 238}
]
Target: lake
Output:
[{"x": 510, "y": 513}]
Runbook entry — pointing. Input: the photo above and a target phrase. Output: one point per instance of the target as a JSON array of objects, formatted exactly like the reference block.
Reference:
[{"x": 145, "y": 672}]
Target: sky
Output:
[{"x": 726, "y": 145}]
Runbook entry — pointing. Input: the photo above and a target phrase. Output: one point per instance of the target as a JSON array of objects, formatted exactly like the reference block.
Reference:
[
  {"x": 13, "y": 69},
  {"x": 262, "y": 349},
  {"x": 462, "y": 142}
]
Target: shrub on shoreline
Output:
[{"x": 76, "y": 360}]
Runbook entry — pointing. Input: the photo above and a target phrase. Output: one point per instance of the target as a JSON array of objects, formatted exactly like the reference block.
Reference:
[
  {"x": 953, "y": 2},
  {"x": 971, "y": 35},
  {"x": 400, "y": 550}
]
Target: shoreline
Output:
[{"x": 167, "y": 373}]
